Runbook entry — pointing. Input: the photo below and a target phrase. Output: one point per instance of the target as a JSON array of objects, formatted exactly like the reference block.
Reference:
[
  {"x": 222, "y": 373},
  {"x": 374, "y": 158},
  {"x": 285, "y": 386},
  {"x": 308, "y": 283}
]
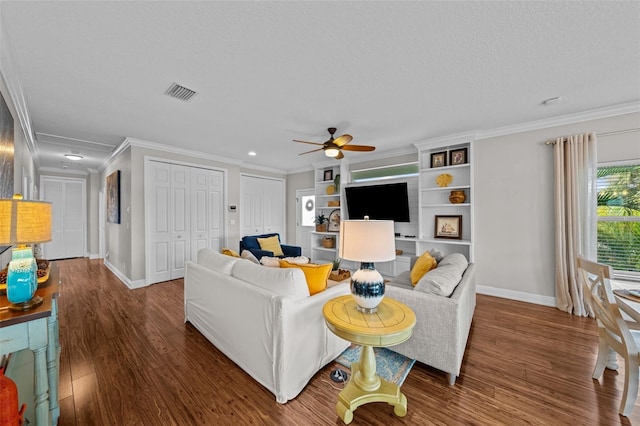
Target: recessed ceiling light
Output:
[
  {"x": 252, "y": 153},
  {"x": 552, "y": 101},
  {"x": 74, "y": 157}
]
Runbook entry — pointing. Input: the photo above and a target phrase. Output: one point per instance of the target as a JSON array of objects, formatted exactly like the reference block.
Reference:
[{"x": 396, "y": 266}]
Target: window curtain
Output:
[{"x": 575, "y": 168}]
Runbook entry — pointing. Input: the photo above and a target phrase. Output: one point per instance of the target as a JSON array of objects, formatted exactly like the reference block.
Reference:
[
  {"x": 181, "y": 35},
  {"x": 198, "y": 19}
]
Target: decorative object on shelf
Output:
[
  {"x": 113, "y": 197},
  {"x": 339, "y": 275},
  {"x": 9, "y": 414},
  {"x": 23, "y": 222},
  {"x": 336, "y": 182},
  {"x": 321, "y": 223},
  {"x": 438, "y": 159},
  {"x": 448, "y": 227},
  {"x": 334, "y": 221},
  {"x": 328, "y": 242},
  {"x": 399, "y": 252},
  {"x": 330, "y": 190},
  {"x": 328, "y": 175},
  {"x": 444, "y": 180},
  {"x": 333, "y": 203},
  {"x": 367, "y": 241},
  {"x": 457, "y": 196},
  {"x": 457, "y": 156}
]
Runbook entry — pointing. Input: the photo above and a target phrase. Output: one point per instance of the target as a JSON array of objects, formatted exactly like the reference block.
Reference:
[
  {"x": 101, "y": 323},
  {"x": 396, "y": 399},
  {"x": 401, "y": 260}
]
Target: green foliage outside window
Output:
[{"x": 619, "y": 217}]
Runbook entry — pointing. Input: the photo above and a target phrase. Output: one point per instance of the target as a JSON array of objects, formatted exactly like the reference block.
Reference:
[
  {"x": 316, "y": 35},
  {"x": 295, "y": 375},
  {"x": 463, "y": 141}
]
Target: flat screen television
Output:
[{"x": 379, "y": 202}]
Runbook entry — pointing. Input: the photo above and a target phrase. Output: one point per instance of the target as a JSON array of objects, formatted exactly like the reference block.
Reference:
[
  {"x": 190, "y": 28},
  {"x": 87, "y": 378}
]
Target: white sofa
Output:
[
  {"x": 262, "y": 318},
  {"x": 443, "y": 323}
]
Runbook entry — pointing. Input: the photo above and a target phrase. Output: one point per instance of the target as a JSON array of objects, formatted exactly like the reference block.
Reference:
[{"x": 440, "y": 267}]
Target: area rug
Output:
[{"x": 390, "y": 365}]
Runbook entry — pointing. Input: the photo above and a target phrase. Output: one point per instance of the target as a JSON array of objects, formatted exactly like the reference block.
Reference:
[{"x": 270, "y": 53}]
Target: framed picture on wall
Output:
[
  {"x": 448, "y": 227},
  {"x": 457, "y": 156},
  {"x": 113, "y": 197},
  {"x": 334, "y": 221},
  {"x": 328, "y": 174},
  {"x": 439, "y": 159}
]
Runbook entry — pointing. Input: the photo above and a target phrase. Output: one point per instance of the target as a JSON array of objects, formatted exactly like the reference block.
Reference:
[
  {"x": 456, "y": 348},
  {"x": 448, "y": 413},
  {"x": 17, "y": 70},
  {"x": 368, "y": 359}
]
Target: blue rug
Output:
[{"x": 390, "y": 365}]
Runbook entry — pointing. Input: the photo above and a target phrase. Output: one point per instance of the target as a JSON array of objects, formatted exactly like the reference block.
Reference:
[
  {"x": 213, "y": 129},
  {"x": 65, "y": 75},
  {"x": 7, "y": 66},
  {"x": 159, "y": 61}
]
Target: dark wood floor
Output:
[{"x": 129, "y": 359}]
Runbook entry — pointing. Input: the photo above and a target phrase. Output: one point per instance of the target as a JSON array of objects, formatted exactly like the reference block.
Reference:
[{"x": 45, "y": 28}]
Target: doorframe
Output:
[
  {"x": 147, "y": 212},
  {"x": 101, "y": 223},
  {"x": 299, "y": 194},
  {"x": 83, "y": 183}
]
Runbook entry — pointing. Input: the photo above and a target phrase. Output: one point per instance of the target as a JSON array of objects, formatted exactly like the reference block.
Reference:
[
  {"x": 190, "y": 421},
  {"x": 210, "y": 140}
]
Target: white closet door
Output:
[
  {"x": 273, "y": 214},
  {"x": 251, "y": 205},
  {"x": 67, "y": 197},
  {"x": 207, "y": 210},
  {"x": 179, "y": 219},
  {"x": 159, "y": 179}
]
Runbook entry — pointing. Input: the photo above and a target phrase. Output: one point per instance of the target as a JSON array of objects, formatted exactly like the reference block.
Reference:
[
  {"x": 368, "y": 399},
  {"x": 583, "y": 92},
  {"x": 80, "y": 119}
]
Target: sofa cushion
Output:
[
  {"x": 316, "y": 275},
  {"x": 271, "y": 244},
  {"x": 246, "y": 254},
  {"x": 424, "y": 264},
  {"x": 216, "y": 261},
  {"x": 443, "y": 280},
  {"x": 283, "y": 282}
]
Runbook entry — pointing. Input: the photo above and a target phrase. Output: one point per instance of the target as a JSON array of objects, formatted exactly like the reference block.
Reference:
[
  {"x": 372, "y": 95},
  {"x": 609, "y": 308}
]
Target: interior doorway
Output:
[{"x": 305, "y": 216}]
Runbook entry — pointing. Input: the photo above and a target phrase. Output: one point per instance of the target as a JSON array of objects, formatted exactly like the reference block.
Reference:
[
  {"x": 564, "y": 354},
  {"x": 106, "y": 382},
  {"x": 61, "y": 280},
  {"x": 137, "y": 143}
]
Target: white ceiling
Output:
[{"x": 388, "y": 73}]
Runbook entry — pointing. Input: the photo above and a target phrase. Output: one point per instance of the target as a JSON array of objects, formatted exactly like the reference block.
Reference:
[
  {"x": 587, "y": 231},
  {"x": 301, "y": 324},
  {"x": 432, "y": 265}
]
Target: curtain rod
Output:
[{"x": 617, "y": 132}]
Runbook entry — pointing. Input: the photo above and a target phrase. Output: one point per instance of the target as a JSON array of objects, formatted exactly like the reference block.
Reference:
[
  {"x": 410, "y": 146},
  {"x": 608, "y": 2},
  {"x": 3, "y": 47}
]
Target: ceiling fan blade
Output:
[
  {"x": 343, "y": 140},
  {"x": 339, "y": 156},
  {"x": 311, "y": 143},
  {"x": 358, "y": 148},
  {"x": 309, "y": 152}
]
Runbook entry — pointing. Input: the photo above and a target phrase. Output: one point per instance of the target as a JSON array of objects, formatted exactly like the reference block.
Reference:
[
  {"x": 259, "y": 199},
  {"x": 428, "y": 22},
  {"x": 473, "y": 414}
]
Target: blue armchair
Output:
[{"x": 250, "y": 242}]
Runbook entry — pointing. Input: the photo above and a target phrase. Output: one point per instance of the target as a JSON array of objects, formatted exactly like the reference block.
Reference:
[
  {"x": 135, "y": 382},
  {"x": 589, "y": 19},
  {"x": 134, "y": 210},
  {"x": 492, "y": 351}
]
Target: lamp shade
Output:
[
  {"x": 367, "y": 240},
  {"x": 24, "y": 222}
]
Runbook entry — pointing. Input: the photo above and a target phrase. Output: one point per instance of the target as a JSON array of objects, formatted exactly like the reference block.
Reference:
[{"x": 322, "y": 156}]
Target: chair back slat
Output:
[{"x": 595, "y": 278}]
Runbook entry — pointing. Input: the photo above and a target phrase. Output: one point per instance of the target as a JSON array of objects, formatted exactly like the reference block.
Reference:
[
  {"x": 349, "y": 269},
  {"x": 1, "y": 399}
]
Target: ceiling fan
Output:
[{"x": 334, "y": 147}]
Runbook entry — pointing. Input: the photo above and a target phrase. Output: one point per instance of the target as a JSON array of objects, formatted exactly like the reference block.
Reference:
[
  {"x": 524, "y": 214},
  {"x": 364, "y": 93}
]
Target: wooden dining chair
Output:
[{"x": 613, "y": 330}]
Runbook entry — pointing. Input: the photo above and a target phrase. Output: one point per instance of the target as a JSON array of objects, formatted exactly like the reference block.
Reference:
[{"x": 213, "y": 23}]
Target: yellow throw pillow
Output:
[
  {"x": 271, "y": 244},
  {"x": 229, "y": 252},
  {"x": 424, "y": 264},
  {"x": 316, "y": 275}
]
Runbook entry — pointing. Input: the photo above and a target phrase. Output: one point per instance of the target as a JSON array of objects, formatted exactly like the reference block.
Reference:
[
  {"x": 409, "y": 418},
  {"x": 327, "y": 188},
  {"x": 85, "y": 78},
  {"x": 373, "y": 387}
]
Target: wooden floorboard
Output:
[{"x": 128, "y": 358}]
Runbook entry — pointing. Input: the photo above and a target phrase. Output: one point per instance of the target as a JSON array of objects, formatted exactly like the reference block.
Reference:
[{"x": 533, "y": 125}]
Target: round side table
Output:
[{"x": 392, "y": 324}]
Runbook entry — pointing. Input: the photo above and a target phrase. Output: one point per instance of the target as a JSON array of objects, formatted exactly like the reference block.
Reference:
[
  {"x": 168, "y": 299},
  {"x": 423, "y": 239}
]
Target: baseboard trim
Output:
[
  {"x": 517, "y": 295},
  {"x": 93, "y": 256},
  {"x": 132, "y": 285}
]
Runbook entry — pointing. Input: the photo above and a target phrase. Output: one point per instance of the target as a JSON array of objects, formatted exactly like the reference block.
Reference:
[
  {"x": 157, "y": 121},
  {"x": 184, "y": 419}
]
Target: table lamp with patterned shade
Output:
[
  {"x": 367, "y": 241},
  {"x": 23, "y": 222}
]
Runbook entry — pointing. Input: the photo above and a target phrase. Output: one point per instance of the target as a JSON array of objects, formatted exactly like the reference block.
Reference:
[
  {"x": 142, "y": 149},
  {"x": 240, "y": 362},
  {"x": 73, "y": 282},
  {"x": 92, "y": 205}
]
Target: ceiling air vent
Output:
[{"x": 179, "y": 92}]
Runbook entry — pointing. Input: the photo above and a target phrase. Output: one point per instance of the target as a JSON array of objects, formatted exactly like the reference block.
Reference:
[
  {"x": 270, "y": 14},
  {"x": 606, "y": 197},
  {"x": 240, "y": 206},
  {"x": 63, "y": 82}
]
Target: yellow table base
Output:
[{"x": 365, "y": 387}]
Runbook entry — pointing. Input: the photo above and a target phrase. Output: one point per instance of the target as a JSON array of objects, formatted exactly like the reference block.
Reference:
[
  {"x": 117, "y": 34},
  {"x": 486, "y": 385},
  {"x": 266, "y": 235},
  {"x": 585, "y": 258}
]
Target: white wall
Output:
[{"x": 514, "y": 248}]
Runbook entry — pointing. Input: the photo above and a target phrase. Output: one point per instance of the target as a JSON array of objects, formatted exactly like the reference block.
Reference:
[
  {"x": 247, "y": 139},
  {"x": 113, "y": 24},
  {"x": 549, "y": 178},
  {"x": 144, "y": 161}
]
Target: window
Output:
[{"x": 619, "y": 219}]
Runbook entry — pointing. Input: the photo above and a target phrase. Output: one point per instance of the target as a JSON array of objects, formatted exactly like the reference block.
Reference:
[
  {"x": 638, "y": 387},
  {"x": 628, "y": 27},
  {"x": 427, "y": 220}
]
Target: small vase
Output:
[{"x": 457, "y": 197}]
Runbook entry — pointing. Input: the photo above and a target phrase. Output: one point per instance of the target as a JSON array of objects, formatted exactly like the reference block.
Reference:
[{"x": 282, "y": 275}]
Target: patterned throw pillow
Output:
[{"x": 271, "y": 244}]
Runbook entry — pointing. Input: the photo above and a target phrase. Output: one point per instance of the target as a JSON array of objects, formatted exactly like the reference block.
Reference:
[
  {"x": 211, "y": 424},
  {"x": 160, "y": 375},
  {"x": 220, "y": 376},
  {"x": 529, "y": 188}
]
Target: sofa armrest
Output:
[{"x": 292, "y": 251}]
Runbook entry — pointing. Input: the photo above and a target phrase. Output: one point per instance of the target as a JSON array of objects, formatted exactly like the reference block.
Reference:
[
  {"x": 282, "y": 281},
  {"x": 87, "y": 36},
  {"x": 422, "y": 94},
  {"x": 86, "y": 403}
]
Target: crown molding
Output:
[
  {"x": 455, "y": 139},
  {"x": 61, "y": 170},
  {"x": 563, "y": 120}
]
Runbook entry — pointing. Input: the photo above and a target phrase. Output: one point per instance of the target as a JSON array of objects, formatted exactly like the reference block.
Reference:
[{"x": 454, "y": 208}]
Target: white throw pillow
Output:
[
  {"x": 246, "y": 254},
  {"x": 216, "y": 261},
  {"x": 271, "y": 262}
]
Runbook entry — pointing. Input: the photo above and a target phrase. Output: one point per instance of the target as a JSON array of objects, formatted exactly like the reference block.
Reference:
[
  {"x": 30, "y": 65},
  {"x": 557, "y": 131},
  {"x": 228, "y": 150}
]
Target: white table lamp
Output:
[{"x": 367, "y": 241}]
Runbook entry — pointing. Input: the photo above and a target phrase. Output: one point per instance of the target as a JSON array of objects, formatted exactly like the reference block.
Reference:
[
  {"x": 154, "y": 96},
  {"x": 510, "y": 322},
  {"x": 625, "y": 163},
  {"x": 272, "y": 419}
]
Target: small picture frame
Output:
[
  {"x": 328, "y": 174},
  {"x": 457, "y": 156},
  {"x": 448, "y": 227},
  {"x": 438, "y": 159}
]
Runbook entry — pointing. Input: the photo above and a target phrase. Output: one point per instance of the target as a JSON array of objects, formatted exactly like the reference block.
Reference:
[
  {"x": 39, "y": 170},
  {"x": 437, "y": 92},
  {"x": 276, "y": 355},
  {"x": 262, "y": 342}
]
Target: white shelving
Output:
[
  {"x": 320, "y": 254},
  {"x": 434, "y": 199}
]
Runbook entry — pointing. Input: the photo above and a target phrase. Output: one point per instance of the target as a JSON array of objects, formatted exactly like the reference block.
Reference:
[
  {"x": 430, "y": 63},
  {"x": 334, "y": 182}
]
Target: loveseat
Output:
[
  {"x": 442, "y": 326},
  {"x": 251, "y": 243},
  {"x": 262, "y": 318}
]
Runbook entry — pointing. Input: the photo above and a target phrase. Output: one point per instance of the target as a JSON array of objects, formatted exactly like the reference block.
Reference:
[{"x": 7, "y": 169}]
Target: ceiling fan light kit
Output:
[{"x": 333, "y": 147}]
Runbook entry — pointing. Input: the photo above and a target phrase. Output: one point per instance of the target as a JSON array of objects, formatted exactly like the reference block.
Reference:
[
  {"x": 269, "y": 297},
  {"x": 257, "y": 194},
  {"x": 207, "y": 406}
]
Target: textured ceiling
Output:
[{"x": 388, "y": 73}]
